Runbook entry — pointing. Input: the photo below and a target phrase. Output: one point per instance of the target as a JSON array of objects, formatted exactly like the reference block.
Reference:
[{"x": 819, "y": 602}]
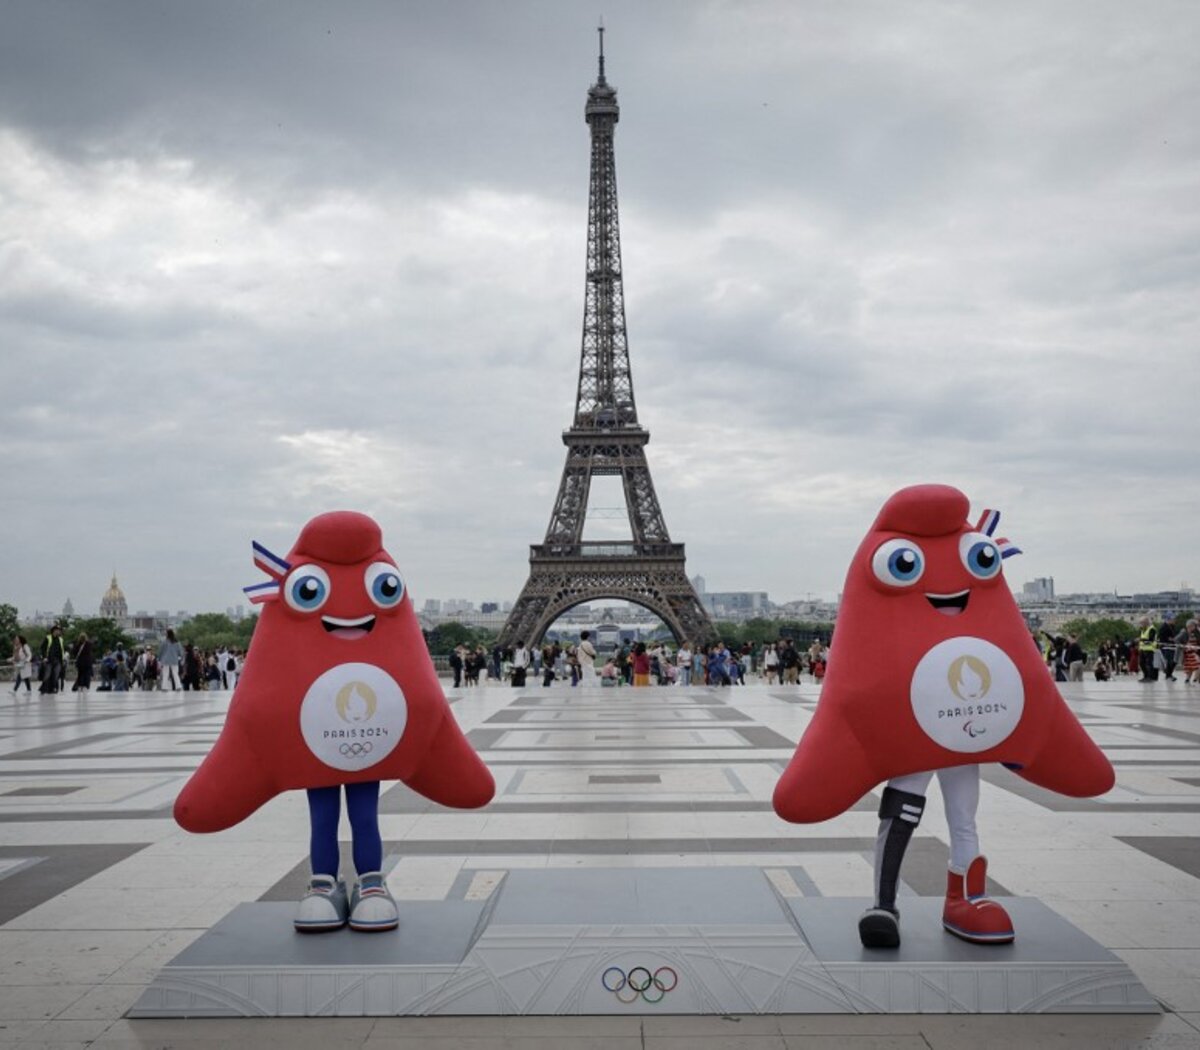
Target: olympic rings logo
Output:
[
  {"x": 355, "y": 749},
  {"x": 639, "y": 983}
]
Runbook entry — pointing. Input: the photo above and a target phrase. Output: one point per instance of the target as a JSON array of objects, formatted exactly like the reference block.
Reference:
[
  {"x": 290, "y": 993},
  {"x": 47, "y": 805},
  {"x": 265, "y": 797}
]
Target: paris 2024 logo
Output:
[
  {"x": 967, "y": 695},
  {"x": 353, "y": 716}
]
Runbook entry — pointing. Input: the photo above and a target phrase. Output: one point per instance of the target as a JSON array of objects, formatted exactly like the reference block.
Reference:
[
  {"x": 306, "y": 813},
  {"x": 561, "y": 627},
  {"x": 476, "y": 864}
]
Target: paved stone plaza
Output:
[{"x": 101, "y": 889}]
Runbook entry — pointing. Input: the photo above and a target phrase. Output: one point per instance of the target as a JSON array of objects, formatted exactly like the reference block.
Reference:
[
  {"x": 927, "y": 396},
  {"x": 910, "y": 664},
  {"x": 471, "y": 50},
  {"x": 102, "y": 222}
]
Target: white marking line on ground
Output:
[
  {"x": 483, "y": 885},
  {"x": 783, "y": 882}
]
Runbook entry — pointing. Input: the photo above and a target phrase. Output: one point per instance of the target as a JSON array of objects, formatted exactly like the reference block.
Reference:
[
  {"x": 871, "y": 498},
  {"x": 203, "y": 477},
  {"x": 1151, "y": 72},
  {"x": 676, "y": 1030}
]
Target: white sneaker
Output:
[
  {"x": 324, "y": 907},
  {"x": 372, "y": 908}
]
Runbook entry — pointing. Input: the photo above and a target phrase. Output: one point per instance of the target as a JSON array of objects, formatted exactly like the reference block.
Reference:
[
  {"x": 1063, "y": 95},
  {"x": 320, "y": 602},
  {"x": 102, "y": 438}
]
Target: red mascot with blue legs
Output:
[
  {"x": 933, "y": 670},
  {"x": 338, "y": 693}
]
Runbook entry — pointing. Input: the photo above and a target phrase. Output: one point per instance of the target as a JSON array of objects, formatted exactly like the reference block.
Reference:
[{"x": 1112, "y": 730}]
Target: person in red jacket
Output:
[{"x": 641, "y": 664}]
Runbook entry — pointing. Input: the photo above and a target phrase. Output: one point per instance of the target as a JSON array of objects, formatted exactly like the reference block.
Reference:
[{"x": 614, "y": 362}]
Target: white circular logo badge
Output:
[
  {"x": 353, "y": 716},
  {"x": 967, "y": 695}
]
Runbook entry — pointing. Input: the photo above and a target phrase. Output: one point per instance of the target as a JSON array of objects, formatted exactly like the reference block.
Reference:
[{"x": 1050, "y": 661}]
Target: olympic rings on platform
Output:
[
  {"x": 639, "y": 983},
  {"x": 356, "y": 749}
]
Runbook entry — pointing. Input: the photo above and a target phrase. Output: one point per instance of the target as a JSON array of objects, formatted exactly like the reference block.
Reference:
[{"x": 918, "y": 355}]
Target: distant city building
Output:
[
  {"x": 492, "y": 621},
  {"x": 737, "y": 603},
  {"x": 1040, "y": 604},
  {"x": 69, "y": 609},
  {"x": 811, "y": 610},
  {"x": 1039, "y": 590},
  {"x": 1159, "y": 605},
  {"x": 113, "y": 605}
]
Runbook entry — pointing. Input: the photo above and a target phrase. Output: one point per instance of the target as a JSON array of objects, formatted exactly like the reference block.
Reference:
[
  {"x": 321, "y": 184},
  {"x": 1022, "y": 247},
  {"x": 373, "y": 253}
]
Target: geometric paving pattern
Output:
[{"x": 586, "y": 779}]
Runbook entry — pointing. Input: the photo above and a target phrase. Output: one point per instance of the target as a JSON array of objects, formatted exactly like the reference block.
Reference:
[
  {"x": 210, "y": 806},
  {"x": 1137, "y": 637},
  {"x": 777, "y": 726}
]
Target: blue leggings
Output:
[{"x": 325, "y": 810}]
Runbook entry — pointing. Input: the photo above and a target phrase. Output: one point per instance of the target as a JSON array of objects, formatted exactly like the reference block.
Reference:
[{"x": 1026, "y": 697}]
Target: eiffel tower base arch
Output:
[{"x": 557, "y": 584}]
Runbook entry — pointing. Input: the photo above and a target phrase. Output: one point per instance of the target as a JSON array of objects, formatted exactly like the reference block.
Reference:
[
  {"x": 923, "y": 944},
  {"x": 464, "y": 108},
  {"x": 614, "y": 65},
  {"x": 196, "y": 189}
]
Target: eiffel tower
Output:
[{"x": 605, "y": 439}]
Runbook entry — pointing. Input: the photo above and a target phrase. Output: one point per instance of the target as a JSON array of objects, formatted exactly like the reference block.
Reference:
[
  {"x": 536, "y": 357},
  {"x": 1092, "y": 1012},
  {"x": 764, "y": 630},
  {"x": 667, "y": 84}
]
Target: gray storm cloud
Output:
[{"x": 258, "y": 261}]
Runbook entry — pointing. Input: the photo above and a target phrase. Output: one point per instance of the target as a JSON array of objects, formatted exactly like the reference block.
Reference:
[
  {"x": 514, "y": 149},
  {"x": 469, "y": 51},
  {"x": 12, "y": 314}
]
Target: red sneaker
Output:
[{"x": 970, "y": 913}]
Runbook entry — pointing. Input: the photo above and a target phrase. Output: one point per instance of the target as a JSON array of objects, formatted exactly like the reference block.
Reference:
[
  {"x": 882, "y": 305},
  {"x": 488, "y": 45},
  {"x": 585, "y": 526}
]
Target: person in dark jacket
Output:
[
  {"x": 1075, "y": 659},
  {"x": 82, "y": 655},
  {"x": 456, "y": 664},
  {"x": 1166, "y": 645},
  {"x": 191, "y": 668}
]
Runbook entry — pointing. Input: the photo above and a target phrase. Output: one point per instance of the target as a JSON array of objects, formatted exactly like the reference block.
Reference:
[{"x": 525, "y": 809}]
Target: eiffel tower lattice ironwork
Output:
[{"x": 605, "y": 439}]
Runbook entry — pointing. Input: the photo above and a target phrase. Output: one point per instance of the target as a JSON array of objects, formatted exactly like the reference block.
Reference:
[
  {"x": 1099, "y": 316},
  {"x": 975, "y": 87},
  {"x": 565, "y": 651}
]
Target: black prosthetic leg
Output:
[{"x": 899, "y": 814}]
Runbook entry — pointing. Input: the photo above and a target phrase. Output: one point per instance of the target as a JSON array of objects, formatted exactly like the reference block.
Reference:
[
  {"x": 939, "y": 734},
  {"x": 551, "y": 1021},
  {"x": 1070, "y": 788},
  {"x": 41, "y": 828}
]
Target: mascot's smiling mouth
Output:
[
  {"x": 349, "y": 629},
  {"x": 949, "y": 604}
]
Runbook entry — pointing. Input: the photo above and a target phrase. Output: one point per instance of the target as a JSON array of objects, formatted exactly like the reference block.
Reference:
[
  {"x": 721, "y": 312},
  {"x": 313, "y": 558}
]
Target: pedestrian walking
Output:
[
  {"x": 22, "y": 659},
  {"x": 170, "y": 656}
]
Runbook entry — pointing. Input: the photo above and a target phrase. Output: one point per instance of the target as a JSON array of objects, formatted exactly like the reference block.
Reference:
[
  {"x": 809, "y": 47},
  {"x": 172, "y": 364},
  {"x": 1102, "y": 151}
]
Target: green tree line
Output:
[
  {"x": 445, "y": 637},
  {"x": 761, "y": 630},
  {"x": 1092, "y": 632},
  {"x": 205, "y": 631},
  {"x": 218, "y": 631}
]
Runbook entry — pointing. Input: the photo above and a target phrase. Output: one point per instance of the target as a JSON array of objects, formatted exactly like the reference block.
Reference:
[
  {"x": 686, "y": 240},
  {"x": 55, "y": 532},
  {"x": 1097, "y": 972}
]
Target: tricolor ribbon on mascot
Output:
[
  {"x": 275, "y": 567},
  {"x": 988, "y": 522}
]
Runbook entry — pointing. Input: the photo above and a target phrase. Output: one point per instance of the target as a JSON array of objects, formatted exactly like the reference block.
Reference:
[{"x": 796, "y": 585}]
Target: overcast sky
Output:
[{"x": 262, "y": 260}]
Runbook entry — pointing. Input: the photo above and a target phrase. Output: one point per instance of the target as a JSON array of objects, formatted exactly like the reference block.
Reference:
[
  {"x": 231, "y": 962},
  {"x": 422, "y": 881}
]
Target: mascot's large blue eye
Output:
[
  {"x": 980, "y": 555},
  {"x": 898, "y": 563},
  {"x": 306, "y": 588},
  {"x": 384, "y": 584}
]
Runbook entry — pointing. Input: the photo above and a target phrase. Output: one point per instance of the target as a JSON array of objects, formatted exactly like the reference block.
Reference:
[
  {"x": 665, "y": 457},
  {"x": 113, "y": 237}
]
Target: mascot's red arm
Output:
[
  {"x": 451, "y": 772},
  {"x": 1069, "y": 761},
  {"x": 229, "y": 785},
  {"x": 821, "y": 782}
]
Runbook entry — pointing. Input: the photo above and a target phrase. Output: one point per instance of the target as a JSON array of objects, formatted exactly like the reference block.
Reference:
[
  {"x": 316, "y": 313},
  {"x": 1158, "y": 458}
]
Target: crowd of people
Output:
[
  {"x": 1158, "y": 649},
  {"x": 642, "y": 664},
  {"x": 172, "y": 665}
]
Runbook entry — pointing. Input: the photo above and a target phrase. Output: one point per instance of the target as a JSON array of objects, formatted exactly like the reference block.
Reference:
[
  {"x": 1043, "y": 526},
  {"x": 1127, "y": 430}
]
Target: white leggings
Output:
[{"x": 960, "y": 794}]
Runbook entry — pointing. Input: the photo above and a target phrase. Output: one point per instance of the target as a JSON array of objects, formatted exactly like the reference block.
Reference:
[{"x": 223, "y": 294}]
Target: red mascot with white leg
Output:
[
  {"x": 338, "y": 693},
  {"x": 933, "y": 670}
]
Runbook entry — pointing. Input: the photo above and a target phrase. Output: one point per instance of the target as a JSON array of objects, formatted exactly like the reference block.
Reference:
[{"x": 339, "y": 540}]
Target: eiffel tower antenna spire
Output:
[{"x": 605, "y": 439}]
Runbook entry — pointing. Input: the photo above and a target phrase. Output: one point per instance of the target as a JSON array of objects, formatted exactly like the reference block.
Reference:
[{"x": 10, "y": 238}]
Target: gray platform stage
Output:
[{"x": 638, "y": 940}]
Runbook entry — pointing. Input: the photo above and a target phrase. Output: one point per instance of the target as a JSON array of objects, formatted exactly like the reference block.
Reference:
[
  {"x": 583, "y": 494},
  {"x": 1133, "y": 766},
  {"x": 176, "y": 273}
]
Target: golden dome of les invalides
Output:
[{"x": 113, "y": 605}]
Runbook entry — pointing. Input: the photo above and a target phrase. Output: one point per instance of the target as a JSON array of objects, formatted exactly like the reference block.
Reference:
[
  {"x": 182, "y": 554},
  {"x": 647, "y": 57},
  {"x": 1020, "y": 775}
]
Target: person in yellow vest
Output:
[
  {"x": 54, "y": 661},
  {"x": 1147, "y": 648}
]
